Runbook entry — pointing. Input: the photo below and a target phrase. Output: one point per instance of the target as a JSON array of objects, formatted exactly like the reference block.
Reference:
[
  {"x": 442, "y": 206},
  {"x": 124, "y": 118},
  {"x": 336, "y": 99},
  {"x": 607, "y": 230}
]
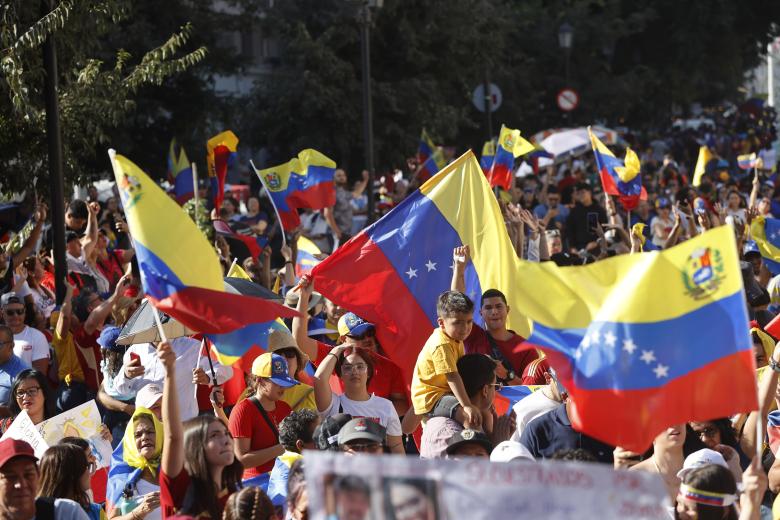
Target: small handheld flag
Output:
[{"x": 510, "y": 145}]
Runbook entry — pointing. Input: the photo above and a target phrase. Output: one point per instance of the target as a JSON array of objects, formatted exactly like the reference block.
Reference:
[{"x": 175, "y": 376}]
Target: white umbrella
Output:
[{"x": 575, "y": 141}]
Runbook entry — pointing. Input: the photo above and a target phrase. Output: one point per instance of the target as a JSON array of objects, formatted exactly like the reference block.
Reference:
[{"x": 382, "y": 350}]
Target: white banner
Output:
[
  {"x": 391, "y": 487},
  {"x": 23, "y": 429}
]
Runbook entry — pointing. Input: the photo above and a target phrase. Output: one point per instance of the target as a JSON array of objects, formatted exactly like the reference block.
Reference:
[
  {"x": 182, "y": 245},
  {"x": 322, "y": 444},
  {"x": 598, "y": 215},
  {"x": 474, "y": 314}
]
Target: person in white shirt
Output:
[
  {"x": 141, "y": 366},
  {"x": 355, "y": 367},
  {"x": 30, "y": 344},
  {"x": 538, "y": 403}
]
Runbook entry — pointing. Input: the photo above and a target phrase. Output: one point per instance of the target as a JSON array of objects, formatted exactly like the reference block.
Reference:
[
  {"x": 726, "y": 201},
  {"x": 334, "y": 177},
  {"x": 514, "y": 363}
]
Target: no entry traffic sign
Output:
[{"x": 568, "y": 99}]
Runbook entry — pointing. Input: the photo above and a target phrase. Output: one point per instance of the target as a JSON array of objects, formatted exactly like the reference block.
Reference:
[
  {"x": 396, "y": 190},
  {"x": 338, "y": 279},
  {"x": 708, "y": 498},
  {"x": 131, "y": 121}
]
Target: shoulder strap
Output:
[
  {"x": 256, "y": 402},
  {"x": 44, "y": 508},
  {"x": 499, "y": 356}
]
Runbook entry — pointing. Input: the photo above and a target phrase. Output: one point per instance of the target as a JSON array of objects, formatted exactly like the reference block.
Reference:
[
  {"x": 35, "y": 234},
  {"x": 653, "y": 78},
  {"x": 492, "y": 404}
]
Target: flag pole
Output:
[
  {"x": 235, "y": 261},
  {"x": 194, "y": 168},
  {"x": 159, "y": 323},
  {"x": 276, "y": 210}
]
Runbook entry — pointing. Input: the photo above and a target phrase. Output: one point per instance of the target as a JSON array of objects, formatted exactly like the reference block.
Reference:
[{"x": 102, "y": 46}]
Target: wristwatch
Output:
[{"x": 774, "y": 365}]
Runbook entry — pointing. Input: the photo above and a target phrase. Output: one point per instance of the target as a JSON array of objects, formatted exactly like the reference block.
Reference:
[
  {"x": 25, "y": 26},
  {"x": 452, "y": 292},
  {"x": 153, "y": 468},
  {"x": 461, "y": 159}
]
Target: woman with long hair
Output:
[
  {"x": 254, "y": 422},
  {"x": 44, "y": 298},
  {"x": 710, "y": 493},
  {"x": 133, "y": 492},
  {"x": 65, "y": 474},
  {"x": 355, "y": 367},
  {"x": 30, "y": 392},
  {"x": 199, "y": 469}
]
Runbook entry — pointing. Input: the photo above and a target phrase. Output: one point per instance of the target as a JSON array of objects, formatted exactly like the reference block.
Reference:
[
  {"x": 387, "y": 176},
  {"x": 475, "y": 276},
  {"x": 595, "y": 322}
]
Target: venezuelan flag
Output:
[
  {"x": 303, "y": 182},
  {"x": 510, "y": 146},
  {"x": 619, "y": 178},
  {"x": 705, "y": 156},
  {"x": 747, "y": 162},
  {"x": 306, "y": 259},
  {"x": 220, "y": 154},
  {"x": 242, "y": 346},
  {"x": 426, "y": 148},
  {"x": 766, "y": 233},
  {"x": 645, "y": 341},
  {"x": 488, "y": 153},
  {"x": 392, "y": 272},
  {"x": 254, "y": 244},
  {"x": 179, "y": 172},
  {"x": 180, "y": 270},
  {"x": 430, "y": 157},
  {"x": 507, "y": 396}
]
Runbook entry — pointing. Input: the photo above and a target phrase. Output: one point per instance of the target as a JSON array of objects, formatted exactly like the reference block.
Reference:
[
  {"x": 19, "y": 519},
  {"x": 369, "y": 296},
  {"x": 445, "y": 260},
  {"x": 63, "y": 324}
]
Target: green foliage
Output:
[{"x": 96, "y": 89}]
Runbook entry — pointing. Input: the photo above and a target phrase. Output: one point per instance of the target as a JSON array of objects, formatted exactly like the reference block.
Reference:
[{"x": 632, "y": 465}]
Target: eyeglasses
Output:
[
  {"x": 30, "y": 392},
  {"x": 358, "y": 369},
  {"x": 14, "y": 312},
  {"x": 370, "y": 447},
  {"x": 289, "y": 353}
]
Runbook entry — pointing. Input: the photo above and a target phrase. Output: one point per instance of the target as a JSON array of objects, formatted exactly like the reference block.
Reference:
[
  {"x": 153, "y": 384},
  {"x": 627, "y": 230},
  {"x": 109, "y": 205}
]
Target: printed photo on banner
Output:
[{"x": 403, "y": 488}]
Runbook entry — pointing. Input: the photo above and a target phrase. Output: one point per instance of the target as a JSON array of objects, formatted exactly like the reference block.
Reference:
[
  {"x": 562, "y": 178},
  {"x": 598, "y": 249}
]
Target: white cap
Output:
[
  {"x": 700, "y": 458},
  {"x": 510, "y": 450},
  {"x": 148, "y": 396}
]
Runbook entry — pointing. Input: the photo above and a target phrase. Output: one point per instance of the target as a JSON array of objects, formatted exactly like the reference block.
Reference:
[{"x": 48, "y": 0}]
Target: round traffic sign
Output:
[
  {"x": 568, "y": 99},
  {"x": 479, "y": 98}
]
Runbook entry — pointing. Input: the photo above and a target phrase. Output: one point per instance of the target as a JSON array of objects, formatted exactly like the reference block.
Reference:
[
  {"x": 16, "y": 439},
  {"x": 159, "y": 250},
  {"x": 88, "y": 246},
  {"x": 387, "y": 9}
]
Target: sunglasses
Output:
[{"x": 14, "y": 312}]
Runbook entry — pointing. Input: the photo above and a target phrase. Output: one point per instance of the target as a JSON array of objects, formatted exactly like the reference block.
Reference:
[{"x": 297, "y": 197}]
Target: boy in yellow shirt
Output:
[{"x": 436, "y": 371}]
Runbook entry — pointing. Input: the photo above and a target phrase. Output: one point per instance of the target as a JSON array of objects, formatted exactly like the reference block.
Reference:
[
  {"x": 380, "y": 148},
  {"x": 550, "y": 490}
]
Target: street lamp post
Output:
[
  {"x": 565, "y": 37},
  {"x": 364, "y": 18}
]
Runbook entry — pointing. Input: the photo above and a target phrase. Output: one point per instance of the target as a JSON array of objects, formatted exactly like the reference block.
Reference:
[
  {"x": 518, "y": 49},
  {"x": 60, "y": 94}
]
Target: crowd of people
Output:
[{"x": 193, "y": 438}]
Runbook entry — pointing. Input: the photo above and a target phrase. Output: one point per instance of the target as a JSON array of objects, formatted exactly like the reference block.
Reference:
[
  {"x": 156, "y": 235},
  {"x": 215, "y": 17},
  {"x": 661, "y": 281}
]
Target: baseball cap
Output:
[
  {"x": 750, "y": 248},
  {"x": 510, "y": 450},
  {"x": 148, "y": 396},
  {"x": 13, "y": 448},
  {"x": 361, "y": 429},
  {"x": 281, "y": 339},
  {"x": 703, "y": 457},
  {"x": 293, "y": 295},
  {"x": 108, "y": 337},
  {"x": 326, "y": 434},
  {"x": 273, "y": 367},
  {"x": 663, "y": 202},
  {"x": 9, "y": 298},
  {"x": 350, "y": 324},
  {"x": 468, "y": 437}
]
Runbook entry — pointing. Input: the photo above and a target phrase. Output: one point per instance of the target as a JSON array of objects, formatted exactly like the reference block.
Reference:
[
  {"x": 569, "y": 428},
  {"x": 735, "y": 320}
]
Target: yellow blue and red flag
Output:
[
  {"x": 303, "y": 182},
  {"x": 243, "y": 345},
  {"x": 488, "y": 153},
  {"x": 180, "y": 270},
  {"x": 642, "y": 342},
  {"x": 747, "y": 161},
  {"x": 307, "y": 256},
  {"x": 510, "y": 145},
  {"x": 220, "y": 155},
  {"x": 253, "y": 243},
  {"x": 619, "y": 178},
  {"x": 766, "y": 233},
  {"x": 179, "y": 172},
  {"x": 392, "y": 272},
  {"x": 430, "y": 157}
]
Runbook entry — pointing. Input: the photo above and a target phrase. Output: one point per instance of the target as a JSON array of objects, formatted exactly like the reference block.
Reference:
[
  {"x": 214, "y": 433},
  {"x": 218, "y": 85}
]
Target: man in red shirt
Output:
[
  {"x": 386, "y": 382},
  {"x": 495, "y": 340}
]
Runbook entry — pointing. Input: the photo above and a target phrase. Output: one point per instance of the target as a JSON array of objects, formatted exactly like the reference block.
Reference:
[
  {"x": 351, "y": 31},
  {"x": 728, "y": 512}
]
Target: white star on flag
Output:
[
  {"x": 585, "y": 341},
  {"x": 647, "y": 356},
  {"x": 411, "y": 273},
  {"x": 270, "y": 330},
  {"x": 661, "y": 371},
  {"x": 431, "y": 266},
  {"x": 594, "y": 337},
  {"x": 629, "y": 345},
  {"x": 610, "y": 339}
]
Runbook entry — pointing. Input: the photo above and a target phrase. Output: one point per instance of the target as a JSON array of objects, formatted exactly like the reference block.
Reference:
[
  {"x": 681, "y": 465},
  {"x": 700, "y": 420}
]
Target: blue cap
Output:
[
  {"x": 350, "y": 324},
  {"x": 108, "y": 337},
  {"x": 750, "y": 247},
  {"x": 273, "y": 367}
]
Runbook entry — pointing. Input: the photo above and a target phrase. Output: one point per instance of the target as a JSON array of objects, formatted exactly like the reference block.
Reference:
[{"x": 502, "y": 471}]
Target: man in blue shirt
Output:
[
  {"x": 10, "y": 366},
  {"x": 552, "y": 432}
]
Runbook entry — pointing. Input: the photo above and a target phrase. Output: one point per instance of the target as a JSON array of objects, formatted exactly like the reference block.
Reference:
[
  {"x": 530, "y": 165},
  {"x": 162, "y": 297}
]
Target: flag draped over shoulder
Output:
[
  {"x": 430, "y": 157},
  {"x": 220, "y": 153},
  {"x": 392, "y": 272},
  {"x": 645, "y": 341},
  {"x": 705, "y": 156},
  {"x": 180, "y": 172},
  {"x": 510, "y": 145},
  {"x": 180, "y": 270},
  {"x": 303, "y": 182},
  {"x": 619, "y": 178},
  {"x": 766, "y": 233}
]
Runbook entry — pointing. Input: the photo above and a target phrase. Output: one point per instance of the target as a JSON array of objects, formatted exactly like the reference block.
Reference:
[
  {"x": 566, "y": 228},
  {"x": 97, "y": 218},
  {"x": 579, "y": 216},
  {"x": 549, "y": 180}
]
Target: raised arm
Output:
[
  {"x": 173, "y": 445},
  {"x": 99, "y": 315},
  {"x": 767, "y": 388},
  {"x": 300, "y": 323},
  {"x": 89, "y": 242},
  {"x": 322, "y": 392},
  {"x": 29, "y": 245},
  {"x": 461, "y": 256}
]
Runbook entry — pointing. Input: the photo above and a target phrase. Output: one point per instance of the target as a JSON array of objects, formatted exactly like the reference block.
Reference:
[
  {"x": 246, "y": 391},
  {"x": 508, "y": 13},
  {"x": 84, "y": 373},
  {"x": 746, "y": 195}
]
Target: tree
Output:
[{"x": 97, "y": 87}]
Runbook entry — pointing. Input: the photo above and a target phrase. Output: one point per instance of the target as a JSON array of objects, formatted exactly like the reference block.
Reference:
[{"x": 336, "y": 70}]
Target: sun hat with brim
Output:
[
  {"x": 703, "y": 457},
  {"x": 273, "y": 367},
  {"x": 293, "y": 295},
  {"x": 281, "y": 340},
  {"x": 350, "y": 324},
  {"x": 467, "y": 436},
  {"x": 15, "y": 448},
  {"x": 362, "y": 429}
]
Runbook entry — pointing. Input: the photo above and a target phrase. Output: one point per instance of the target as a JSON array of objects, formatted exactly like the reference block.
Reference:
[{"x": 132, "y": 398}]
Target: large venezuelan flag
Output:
[
  {"x": 220, "y": 153},
  {"x": 303, "y": 182},
  {"x": 242, "y": 346},
  {"x": 510, "y": 146},
  {"x": 180, "y": 172},
  {"x": 180, "y": 270},
  {"x": 766, "y": 233},
  {"x": 645, "y": 341},
  {"x": 392, "y": 272},
  {"x": 619, "y": 178}
]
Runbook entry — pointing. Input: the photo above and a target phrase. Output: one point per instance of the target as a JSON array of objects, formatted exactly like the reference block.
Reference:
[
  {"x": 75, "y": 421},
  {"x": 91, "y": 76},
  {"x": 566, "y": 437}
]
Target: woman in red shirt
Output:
[
  {"x": 254, "y": 422},
  {"x": 199, "y": 471}
]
